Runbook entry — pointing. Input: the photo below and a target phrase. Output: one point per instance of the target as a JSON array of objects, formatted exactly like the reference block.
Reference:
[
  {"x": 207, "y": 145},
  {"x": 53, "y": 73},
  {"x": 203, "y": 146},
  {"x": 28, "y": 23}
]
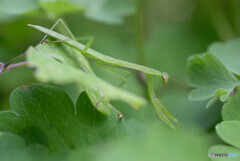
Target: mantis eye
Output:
[{"x": 165, "y": 78}]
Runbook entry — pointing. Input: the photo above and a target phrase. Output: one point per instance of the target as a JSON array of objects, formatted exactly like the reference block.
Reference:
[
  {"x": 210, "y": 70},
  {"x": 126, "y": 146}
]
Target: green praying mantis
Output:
[{"x": 98, "y": 90}]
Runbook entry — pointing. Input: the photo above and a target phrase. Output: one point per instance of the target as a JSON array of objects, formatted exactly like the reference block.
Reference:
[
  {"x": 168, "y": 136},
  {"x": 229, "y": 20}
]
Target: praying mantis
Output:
[{"x": 99, "y": 100}]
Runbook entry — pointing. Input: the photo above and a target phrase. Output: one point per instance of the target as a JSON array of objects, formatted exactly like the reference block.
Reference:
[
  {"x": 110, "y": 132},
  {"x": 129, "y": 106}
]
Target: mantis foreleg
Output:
[{"x": 60, "y": 21}]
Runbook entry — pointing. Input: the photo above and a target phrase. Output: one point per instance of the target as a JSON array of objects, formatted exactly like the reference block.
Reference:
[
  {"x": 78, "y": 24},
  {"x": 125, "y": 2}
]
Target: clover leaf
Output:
[
  {"x": 14, "y": 148},
  {"x": 209, "y": 77},
  {"x": 228, "y": 53}
]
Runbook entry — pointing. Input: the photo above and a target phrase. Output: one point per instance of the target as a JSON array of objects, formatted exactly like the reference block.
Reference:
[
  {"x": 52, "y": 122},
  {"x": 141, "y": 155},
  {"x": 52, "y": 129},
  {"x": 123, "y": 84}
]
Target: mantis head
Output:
[{"x": 165, "y": 78}]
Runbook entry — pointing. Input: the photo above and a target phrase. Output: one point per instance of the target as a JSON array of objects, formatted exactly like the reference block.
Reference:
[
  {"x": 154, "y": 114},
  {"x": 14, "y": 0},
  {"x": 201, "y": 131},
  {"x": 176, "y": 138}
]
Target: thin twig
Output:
[
  {"x": 20, "y": 64},
  {"x": 12, "y": 66},
  {"x": 1, "y": 67},
  {"x": 14, "y": 59}
]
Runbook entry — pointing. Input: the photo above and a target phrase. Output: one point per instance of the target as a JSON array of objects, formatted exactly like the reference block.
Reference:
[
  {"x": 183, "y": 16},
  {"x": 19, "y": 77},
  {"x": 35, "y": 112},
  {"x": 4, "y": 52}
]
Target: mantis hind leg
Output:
[
  {"x": 124, "y": 80},
  {"x": 112, "y": 70}
]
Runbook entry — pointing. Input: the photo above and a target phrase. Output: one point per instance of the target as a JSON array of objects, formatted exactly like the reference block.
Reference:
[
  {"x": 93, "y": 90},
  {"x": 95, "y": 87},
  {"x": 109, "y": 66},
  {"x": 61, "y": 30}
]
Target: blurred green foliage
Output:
[{"x": 160, "y": 34}]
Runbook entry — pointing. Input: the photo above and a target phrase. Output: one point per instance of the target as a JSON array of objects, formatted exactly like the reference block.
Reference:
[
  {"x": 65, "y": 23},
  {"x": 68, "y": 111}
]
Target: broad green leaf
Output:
[
  {"x": 10, "y": 122},
  {"x": 6, "y": 18},
  {"x": 59, "y": 7},
  {"x": 96, "y": 55},
  {"x": 111, "y": 11},
  {"x": 229, "y": 132},
  {"x": 228, "y": 53},
  {"x": 153, "y": 144},
  {"x": 231, "y": 109},
  {"x": 74, "y": 58},
  {"x": 51, "y": 70},
  {"x": 209, "y": 77},
  {"x": 219, "y": 94},
  {"x": 223, "y": 149},
  {"x": 108, "y": 11},
  {"x": 13, "y": 148},
  {"x": 14, "y": 7},
  {"x": 46, "y": 115}
]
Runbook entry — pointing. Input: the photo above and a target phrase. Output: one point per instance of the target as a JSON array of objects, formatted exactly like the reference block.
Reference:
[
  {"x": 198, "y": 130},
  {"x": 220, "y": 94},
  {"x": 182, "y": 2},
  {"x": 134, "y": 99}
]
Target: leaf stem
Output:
[
  {"x": 7, "y": 66},
  {"x": 14, "y": 59},
  {"x": 139, "y": 43},
  {"x": 12, "y": 66},
  {"x": 220, "y": 20},
  {"x": 20, "y": 64},
  {"x": 139, "y": 36}
]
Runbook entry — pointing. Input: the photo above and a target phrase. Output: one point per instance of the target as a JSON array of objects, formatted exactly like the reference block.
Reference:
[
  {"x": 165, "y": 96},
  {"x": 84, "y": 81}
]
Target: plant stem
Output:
[
  {"x": 219, "y": 20},
  {"x": 235, "y": 6},
  {"x": 139, "y": 43},
  {"x": 13, "y": 60},
  {"x": 20, "y": 64},
  {"x": 6, "y": 66},
  {"x": 139, "y": 36},
  {"x": 12, "y": 66}
]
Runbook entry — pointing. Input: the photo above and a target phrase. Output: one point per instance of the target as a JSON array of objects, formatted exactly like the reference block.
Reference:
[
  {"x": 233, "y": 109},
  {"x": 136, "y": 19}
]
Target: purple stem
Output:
[
  {"x": 12, "y": 66},
  {"x": 1, "y": 67}
]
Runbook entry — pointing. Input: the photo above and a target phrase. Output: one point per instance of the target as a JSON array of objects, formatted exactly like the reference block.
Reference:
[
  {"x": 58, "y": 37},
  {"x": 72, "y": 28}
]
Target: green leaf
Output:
[
  {"x": 220, "y": 94},
  {"x": 153, "y": 144},
  {"x": 231, "y": 109},
  {"x": 46, "y": 115},
  {"x": 14, "y": 7},
  {"x": 229, "y": 132},
  {"x": 65, "y": 68},
  {"x": 13, "y": 148},
  {"x": 223, "y": 149},
  {"x": 209, "y": 77},
  {"x": 111, "y": 11},
  {"x": 74, "y": 58},
  {"x": 228, "y": 53},
  {"x": 59, "y": 7}
]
